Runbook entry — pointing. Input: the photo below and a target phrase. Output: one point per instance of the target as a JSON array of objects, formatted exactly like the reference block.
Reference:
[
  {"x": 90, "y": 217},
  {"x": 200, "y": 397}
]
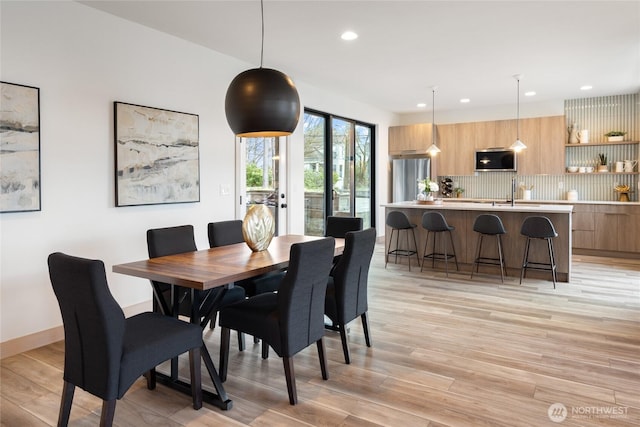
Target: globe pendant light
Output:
[
  {"x": 433, "y": 150},
  {"x": 262, "y": 102},
  {"x": 518, "y": 145}
]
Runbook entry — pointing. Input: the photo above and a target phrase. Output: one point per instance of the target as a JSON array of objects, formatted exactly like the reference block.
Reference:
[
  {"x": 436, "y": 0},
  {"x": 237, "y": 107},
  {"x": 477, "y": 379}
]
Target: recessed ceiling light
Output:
[
  {"x": 465, "y": 100},
  {"x": 530, "y": 93},
  {"x": 349, "y": 35},
  {"x": 421, "y": 105},
  {"x": 586, "y": 87}
]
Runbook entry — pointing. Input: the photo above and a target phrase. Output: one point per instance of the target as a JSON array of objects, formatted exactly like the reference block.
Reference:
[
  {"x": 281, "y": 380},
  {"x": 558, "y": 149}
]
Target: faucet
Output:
[{"x": 513, "y": 191}]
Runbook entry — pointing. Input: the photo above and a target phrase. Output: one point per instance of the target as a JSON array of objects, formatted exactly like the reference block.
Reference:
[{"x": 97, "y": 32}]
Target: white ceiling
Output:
[{"x": 467, "y": 49}]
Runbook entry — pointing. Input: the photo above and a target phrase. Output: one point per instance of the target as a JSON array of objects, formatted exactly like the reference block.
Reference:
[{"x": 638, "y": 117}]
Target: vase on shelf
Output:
[
  {"x": 618, "y": 138},
  {"x": 258, "y": 227}
]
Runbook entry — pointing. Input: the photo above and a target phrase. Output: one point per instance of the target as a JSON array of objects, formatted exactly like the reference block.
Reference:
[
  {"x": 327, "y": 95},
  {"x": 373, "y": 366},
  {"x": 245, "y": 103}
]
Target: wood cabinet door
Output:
[
  {"x": 529, "y": 159},
  {"x": 552, "y": 149},
  {"x": 505, "y": 133},
  {"x": 483, "y": 135},
  {"x": 628, "y": 231},
  {"x": 410, "y": 139},
  {"x": 445, "y": 163},
  {"x": 606, "y": 231}
]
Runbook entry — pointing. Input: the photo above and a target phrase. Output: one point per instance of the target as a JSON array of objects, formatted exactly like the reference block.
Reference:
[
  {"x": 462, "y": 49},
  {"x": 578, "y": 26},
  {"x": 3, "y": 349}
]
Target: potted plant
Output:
[
  {"x": 602, "y": 159},
  {"x": 458, "y": 191},
  {"x": 615, "y": 136}
]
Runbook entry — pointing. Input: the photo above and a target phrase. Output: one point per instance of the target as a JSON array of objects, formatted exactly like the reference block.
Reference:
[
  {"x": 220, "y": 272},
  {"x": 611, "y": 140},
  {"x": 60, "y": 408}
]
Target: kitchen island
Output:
[{"x": 463, "y": 215}]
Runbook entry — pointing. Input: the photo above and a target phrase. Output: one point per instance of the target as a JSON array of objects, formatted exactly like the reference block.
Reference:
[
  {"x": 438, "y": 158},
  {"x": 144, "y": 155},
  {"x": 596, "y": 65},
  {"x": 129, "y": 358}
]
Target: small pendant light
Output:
[
  {"x": 433, "y": 150},
  {"x": 518, "y": 145},
  {"x": 262, "y": 102}
]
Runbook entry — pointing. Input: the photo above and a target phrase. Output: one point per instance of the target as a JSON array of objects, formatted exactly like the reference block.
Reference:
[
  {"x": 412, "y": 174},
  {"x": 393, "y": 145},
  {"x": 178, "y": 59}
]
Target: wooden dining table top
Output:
[{"x": 215, "y": 267}]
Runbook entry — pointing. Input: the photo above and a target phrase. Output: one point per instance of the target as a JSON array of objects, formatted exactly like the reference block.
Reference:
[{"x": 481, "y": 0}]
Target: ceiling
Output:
[{"x": 467, "y": 49}]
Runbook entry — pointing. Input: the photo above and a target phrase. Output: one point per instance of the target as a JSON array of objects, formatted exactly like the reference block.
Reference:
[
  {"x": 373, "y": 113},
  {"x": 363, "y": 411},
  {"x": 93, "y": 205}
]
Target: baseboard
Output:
[{"x": 29, "y": 342}]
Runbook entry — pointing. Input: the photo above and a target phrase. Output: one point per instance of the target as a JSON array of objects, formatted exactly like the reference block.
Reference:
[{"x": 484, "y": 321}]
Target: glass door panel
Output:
[
  {"x": 314, "y": 174},
  {"x": 342, "y": 169},
  {"x": 362, "y": 173}
]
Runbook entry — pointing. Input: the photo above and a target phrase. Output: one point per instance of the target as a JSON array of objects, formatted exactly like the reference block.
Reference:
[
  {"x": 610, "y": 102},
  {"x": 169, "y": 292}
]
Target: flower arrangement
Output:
[{"x": 427, "y": 185}]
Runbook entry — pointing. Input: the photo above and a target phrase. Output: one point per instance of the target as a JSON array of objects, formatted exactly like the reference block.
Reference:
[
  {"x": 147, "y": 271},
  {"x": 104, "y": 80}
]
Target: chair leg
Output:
[
  {"x": 525, "y": 259},
  {"x": 322, "y": 355},
  {"x": 108, "y": 413},
  {"x": 415, "y": 244},
  {"x": 386, "y": 258},
  {"x": 345, "y": 344},
  {"x": 240, "y": 341},
  {"x": 365, "y": 327},
  {"x": 265, "y": 350},
  {"x": 225, "y": 337},
  {"x": 196, "y": 377},
  {"x": 552, "y": 260},
  {"x": 453, "y": 249},
  {"x": 424, "y": 252},
  {"x": 502, "y": 273},
  {"x": 476, "y": 264},
  {"x": 291, "y": 379},
  {"x": 65, "y": 403},
  {"x": 151, "y": 379},
  {"x": 256, "y": 340}
]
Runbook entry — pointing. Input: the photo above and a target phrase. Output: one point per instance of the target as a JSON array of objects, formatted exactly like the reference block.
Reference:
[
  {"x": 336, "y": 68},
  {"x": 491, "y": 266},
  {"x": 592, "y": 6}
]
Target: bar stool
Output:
[
  {"x": 539, "y": 227},
  {"x": 399, "y": 221},
  {"x": 434, "y": 222},
  {"x": 489, "y": 225}
]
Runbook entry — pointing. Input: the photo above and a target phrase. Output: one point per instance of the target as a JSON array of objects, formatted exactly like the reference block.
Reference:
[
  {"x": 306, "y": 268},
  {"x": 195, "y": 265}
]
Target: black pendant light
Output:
[{"x": 262, "y": 101}]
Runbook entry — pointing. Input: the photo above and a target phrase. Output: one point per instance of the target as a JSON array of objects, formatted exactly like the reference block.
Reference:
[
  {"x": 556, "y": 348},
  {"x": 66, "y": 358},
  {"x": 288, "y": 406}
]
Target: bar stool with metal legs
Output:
[
  {"x": 489, "y": 225},
  {"x": 434, "y": 222},
  {"x": 398, "y": 221},
  {"x": 539, "y": 227}
]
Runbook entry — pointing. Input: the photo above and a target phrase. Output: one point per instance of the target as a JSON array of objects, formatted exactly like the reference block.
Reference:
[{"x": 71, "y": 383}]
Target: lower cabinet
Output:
[
  {"x": 583, "y": 226},
  {"x": 617, "y": 228}
]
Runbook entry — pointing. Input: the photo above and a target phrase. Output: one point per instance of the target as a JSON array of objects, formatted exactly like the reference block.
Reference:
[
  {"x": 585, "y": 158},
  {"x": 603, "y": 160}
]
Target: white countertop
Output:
[
  {"x": 546, "y": 202},
  {"x": 485, "y": 206}
]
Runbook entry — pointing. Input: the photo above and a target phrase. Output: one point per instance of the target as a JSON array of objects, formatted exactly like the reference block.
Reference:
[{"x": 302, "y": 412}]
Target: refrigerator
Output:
[{"x": 406, "y": 171}]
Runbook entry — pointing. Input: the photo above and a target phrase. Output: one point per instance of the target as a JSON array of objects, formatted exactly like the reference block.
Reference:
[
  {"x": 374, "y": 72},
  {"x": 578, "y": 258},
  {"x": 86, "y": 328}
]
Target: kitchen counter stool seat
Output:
[
  {"x": 489, "y": 225},
  {"x": 398, "y": 221},
  {"x": 434, "y": 222},
  {"x": 539, "y": 227}
]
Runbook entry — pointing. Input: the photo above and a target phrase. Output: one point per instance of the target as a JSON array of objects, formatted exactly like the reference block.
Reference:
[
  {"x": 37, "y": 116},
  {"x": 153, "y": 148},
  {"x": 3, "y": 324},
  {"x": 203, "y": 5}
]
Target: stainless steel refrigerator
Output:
[{"x": 406, "y": 171}]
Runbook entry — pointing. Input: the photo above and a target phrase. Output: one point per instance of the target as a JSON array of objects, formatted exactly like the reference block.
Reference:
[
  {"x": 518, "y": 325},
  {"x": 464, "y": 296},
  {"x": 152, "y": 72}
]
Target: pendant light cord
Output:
[
  {"x": 433, "y": 116},
  {"x": 262, "y": 44},
  {"x": 518, "y": 112}
]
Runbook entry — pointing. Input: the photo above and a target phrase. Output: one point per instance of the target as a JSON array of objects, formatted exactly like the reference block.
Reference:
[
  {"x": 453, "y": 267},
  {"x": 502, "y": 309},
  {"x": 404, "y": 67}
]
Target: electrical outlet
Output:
[
  {"x": 224, "y": 190},
  {"x": 560, "y": 185}
]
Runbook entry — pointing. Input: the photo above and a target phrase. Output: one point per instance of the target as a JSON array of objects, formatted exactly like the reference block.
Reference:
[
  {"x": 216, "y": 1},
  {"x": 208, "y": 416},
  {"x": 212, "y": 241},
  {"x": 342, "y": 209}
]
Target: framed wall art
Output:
[
  {"x": 19, "y": 148},
  {"x": 157, "y": 156}
]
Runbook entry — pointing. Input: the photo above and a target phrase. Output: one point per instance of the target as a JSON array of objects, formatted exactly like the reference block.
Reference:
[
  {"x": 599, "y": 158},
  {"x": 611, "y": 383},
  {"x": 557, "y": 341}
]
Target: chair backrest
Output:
[
  {"x": 94, "y": 324},
  {"x": 223, "y": 233},
  {"x": 170, "y": 241},
  {"x": 398, "y": 220},
  {"x": 538, "y": 227},
  {"x": 434, "y": 221},
  {"x": 489, "y": 224},
  {"x": 351, "y": 274},
  {"x": 338, "y": 226},
  {"x": 301, "y": 295}
]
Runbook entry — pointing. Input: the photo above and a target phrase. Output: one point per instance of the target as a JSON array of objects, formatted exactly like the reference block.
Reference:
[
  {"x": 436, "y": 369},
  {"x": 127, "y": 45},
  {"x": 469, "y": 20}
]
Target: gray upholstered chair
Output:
[
  {"x": 346, "y": 297},
  {"x": 106, "y": 353},
  {"x": 489, "y": 225},
  {"x": 291, "y": 319},
  {"x": 339, "y": 226},
  {"x": 177, "y": 240},
  {"x": 435, "y": 222},
  {"x": 399, "y": 221},
  {"x": 539, "y": 227}
]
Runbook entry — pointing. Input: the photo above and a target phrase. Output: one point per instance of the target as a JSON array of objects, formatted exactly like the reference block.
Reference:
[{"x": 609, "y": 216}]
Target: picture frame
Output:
[
  {"x": 20, "y": 172},
  {"x": 157, "y": 158}
]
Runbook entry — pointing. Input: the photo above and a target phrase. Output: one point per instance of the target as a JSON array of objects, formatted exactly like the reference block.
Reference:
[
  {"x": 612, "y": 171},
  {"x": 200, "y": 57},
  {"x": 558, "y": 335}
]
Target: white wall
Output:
[{"x": 83, "y": 60}]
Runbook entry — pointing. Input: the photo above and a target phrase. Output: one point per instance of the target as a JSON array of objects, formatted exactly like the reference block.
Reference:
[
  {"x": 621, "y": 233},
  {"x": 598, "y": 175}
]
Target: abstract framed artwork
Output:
[
  {"x": 157, "y": 156},
  {"x": 19, "y": 148}
]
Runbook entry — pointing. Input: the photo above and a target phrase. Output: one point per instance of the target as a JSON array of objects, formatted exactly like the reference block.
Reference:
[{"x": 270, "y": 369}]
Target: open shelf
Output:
[{"x": 601, "y": 143}]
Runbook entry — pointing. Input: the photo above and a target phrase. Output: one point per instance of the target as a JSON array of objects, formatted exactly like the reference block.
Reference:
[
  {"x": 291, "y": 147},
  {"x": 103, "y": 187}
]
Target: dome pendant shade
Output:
[{"x": 262, "y": 102}]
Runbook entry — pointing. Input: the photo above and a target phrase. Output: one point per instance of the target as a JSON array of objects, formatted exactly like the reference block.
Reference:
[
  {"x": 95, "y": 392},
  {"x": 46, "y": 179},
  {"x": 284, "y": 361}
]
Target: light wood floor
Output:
[{"x": 446, "y": 351}]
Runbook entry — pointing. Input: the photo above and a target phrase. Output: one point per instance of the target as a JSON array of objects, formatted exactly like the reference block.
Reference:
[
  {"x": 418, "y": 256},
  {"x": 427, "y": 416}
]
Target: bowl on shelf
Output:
[{"x": 572, "y": 169}]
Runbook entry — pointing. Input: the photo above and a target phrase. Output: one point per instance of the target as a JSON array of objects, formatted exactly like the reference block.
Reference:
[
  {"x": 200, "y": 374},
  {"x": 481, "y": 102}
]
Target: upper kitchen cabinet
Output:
[
  {"x": 410, "y": 139},
  {"x": 457, "y": 142},
  {"x": 505, "y": 133},
  {"x": 544, "y": 138}
]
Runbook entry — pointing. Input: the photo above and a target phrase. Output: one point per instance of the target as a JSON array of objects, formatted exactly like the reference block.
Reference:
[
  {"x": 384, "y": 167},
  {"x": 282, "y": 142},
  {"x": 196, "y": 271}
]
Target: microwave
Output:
[{"x": 495, "y": 160}]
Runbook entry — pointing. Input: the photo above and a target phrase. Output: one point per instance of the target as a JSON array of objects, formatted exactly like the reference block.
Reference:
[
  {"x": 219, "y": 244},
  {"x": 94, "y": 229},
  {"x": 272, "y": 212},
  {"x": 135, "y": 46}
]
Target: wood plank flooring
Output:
[{"x": 446, "y": 352}]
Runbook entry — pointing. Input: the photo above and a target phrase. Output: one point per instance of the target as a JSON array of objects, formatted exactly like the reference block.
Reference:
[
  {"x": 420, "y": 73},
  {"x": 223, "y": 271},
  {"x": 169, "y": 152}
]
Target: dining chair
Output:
[
  {"x": 104, "y": 353},
  {"x": 539, "y": 228},
  {"x": 346, "y": 296},
  {"x": 177, "y": 240},
  {"x": 292, "y": 318},
  {"x": 338, "y": 226},
  {"x": 223, "y": 233}
]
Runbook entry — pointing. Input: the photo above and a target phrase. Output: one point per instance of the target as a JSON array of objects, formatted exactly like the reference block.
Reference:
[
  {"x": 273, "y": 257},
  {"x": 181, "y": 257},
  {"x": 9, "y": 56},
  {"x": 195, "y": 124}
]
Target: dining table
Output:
[{"x": 213, "y": 268}]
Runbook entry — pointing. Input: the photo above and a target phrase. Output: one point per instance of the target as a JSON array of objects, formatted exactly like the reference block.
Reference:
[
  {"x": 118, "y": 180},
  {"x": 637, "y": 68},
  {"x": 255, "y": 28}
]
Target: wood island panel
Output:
[{"x": 463, "y": 215}]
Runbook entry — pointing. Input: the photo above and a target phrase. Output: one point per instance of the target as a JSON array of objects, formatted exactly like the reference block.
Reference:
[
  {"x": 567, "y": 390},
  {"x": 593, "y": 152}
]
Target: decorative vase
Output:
[
  {"x": 258, "y": 227},
  {"x": 619, "y": 138},
  {"x": 429, "y": 197},
  {"x": 603, "y": 168}
]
